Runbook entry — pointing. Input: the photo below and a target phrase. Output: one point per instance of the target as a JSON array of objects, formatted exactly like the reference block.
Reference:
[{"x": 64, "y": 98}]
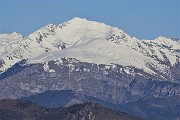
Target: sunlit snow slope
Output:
[{"x": 93, "y": 42}]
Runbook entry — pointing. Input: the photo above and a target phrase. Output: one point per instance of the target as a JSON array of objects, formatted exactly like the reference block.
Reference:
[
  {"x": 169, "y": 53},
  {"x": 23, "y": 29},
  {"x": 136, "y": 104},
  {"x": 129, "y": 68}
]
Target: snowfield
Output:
[{"x": 93, "y": 42}]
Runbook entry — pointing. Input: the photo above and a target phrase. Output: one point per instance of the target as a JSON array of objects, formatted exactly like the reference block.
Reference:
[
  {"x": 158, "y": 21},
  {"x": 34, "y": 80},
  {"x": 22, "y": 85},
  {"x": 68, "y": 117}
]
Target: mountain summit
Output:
[
  {"x": 93, "y": 42},
  {"x": 96, "y": 63}
]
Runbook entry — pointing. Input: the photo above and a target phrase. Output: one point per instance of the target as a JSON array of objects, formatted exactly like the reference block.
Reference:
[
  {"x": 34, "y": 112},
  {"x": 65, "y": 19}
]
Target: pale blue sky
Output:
[{"x": 144, "y": 19}]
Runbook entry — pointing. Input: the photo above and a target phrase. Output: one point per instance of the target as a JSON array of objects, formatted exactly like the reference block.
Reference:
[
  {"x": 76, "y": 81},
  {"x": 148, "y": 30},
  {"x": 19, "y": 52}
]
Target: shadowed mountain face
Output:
[
  {"x": 19, "y": 110},
  {"x": 154, "y": 108},
  {"x": 24, "y": 110},
  {"x": 54, "y": 99},
  {"x": 108, "y": 82},
  {"x": 109, "y": 85}
]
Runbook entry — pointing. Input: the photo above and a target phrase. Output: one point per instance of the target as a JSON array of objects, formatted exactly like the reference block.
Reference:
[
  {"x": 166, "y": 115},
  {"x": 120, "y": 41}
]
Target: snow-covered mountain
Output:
[
  {"x": 6, "y": 40},
  {"x": 93, "y": 42},
  {"x": 97, "y": 63}
]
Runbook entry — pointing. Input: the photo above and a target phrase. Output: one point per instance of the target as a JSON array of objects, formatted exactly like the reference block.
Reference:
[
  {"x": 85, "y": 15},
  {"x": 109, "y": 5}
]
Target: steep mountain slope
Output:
[
  {"x": 24, "y": 110},
  {"x": 8, "y": 42},
  {"x": 94, "y": 42},
  {"x": 99, "y": 62},
  {"x": 7, "y": 39},
  {"x": 53, "y": 38},
  {"x": 116, "y": 85}
]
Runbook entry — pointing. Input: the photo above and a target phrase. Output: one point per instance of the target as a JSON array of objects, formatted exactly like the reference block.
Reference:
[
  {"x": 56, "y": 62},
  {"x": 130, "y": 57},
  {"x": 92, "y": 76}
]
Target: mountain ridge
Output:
[
  {"x": 84, "y": 60},
  {"x": 20, "y": 110},
  {"x": 88, "y": 39}
]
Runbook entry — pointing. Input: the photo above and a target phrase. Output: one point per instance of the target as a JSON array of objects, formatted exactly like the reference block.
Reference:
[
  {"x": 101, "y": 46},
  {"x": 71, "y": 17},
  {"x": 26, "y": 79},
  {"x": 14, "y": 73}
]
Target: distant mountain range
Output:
[{"x": 83, "y": 61}]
